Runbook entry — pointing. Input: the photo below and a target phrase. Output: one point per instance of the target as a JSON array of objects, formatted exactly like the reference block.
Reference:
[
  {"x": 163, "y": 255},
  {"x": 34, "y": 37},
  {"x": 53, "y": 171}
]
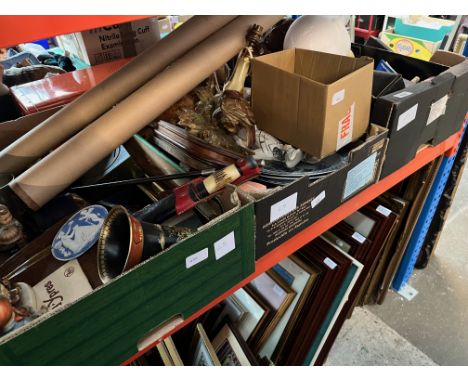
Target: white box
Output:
[{"x": 104, "y": 44}]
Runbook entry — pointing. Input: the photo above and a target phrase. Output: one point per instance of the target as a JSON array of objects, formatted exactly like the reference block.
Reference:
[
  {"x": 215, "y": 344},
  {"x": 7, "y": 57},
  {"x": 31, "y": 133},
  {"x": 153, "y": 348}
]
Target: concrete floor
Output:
[{"x": 434, "y": 322}]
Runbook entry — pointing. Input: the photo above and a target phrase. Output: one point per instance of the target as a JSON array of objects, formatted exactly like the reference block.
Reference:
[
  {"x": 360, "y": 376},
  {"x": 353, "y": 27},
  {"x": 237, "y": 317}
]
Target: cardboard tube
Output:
[
  {"x": 63, "y": 166},
  {"x": 72, "y": 118}
]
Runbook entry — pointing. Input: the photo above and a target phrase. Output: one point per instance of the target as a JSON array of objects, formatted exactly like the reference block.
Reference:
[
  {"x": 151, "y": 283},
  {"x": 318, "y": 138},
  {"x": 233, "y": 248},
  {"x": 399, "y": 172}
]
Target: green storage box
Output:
[{"x": 104, "y": 327}]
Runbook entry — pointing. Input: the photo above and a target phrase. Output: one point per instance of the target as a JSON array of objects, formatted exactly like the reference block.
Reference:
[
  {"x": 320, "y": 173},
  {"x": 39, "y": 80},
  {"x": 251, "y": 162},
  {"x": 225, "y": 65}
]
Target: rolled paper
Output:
[
  {"x": 72, "y": 118},
  {"x": 54, "y": 173}
]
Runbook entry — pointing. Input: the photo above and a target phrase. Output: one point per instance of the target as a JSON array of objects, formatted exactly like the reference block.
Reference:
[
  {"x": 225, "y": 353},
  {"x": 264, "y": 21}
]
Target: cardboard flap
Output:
[
  {"x": 447, "y": 58},
  {"x": 326, "y": 68},
  {"x": 282, "y": 60},
  {"x": 408, "y": 67}
]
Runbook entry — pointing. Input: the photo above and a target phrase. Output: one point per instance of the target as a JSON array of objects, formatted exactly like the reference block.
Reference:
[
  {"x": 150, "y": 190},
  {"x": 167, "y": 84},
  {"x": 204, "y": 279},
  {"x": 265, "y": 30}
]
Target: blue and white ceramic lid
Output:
[{"x": 79, "y": 233}]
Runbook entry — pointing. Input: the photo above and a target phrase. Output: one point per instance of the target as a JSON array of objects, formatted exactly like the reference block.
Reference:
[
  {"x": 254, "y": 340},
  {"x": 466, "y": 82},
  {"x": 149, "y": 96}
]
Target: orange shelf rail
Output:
[
  {"x": 284, "y": 250},
  {"x": 20, "y": 29}
]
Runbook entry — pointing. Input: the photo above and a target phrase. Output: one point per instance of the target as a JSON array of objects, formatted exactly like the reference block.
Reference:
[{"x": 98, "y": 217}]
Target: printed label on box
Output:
[
  {"x": 402, "y": 94},
  {"x": 406, "y": 117},
  {"x": 360, "y": 176},
  {"x": 224, "y": 245},
  {"x": 338, "y": 97},
  {"x": 62, "y": 287},
  {"x": 345, "y": 129},
  {"x": 330, "y": 263},
  {"x": 196, "y": 258},
  {"x": 283, "y": 207},
  {"x": 437, "y": 109},
  {"x": 384, "y": 211},
  {"x": 316, "y": 200},
  {"x": 358, "y": 237}
]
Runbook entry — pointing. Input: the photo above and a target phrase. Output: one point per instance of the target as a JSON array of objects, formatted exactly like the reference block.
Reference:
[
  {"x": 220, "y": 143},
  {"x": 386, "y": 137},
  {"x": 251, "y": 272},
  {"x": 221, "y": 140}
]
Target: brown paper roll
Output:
[
  {"x": 72, "y": 118},
  {"x": 59, "y": 169}
]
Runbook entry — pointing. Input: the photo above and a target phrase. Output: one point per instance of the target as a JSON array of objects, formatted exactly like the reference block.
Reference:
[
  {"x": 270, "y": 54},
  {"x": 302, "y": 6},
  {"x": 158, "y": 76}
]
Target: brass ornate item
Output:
[{"x": 11, "y": 231}]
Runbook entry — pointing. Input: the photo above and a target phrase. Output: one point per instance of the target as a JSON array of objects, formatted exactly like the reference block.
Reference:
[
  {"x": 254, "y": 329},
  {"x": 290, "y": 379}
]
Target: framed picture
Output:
[
  {"x": 164, "y": 354},
  {"x": 279, "y": 295},
  {"x": 345, "y": 236},
  {"x": 233, "y": 310},
  {"x": 231, "y": 348},
  {"x": 203, "y": 353},
  {"x": 334, "y": 266},
  {"x": 173, "y": 352},
  {"x": 301, "y": 277},
  {"x": 257, "y": 311}
]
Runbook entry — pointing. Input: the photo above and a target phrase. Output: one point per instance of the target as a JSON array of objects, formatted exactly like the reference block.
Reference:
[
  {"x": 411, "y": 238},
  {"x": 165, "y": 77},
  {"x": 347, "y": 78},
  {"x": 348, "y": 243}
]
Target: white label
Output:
[
  {"x": 437, "y": 109},
  {"x": 65, "y": 285},
  {"x": 338, "y": 97},
  {"x": 329, "y": 263},
  {"x": 283, "y": 207},
  {"x": 196, "y": 258},
  {"x": 315, "y": 201},
  {"x": 402, "y": 94},
  {"x": 406, "y": 117},
  {"x": 345, "y": 129},
  {"x": 278, "y": 291},
  {"x": 384, "y": 211},
  {"x": 358, "y": 237},
  {"x": 225, "y": 245},
  {"x": 359, "y": 176}
]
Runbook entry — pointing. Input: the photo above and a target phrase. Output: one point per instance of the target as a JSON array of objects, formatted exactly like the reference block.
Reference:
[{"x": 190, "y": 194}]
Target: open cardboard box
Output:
[
  {"x": 427, "y": 112},
  {"x": 106, "y": 325},
  {"x": 284, "y": 211},
  {"x": 315, "y": 101}
]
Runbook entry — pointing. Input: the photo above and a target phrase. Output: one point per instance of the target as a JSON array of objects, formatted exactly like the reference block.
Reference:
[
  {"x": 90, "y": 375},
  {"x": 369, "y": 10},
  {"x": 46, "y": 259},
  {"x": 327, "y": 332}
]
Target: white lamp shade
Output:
[{"x": 321, "y": 33}]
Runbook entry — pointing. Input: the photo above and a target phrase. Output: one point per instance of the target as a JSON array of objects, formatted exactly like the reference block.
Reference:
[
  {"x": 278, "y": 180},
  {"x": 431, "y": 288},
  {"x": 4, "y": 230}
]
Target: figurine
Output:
[
  {"x": 269, "y": 148},
  {"x": 18, "y": 306},
  {"x": 11, "y": 232}
]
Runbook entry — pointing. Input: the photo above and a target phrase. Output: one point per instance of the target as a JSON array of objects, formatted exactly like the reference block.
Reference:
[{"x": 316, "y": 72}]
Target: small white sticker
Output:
[
  {"x": 315, "y": 201},
  {"x": 196, "y": 258},
  {"x": 402, "y": 94},
  {"x": 338, "y": 97},
  {"x": 384, "y": 211},
  {"x": 437, "y": 109},
  {"x": 283, "y": 207},
  {"x": 330, "y": 263},
  {"x": 406, "y": 117},
  {"x": 224, "y": 245},
  {"x": 278, "y": 291},
  {"x": 345, "y": 129},
  {"x": 358, "y": 237}
]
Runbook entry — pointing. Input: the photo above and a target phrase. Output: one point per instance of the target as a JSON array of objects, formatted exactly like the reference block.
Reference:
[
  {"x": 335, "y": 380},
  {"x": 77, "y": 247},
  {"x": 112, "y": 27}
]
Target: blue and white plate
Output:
[{"x": 79, "y": 233}]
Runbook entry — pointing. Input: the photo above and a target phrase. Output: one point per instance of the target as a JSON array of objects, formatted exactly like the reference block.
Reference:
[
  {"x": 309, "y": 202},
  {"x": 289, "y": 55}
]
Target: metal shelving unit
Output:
[
  {"x": 447, "y": 148},
  {"x": 38, "y": 27}
]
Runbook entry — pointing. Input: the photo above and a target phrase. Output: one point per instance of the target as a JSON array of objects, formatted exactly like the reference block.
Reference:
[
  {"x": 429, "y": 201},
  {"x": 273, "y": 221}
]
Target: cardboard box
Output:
[
  {"x": 96, "y": 46},
  {"x": 423, "y": 27},
  {"x": 457, "y": 105},
  {"x": 315, "y": 101},
  {"x": 419, "y": 114},
  {"x": 105, "y": 326},
  {"x": 409, "y": 46},
  {"x": 288, "y": 210},
  {"x": 165, "y": 26}
]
